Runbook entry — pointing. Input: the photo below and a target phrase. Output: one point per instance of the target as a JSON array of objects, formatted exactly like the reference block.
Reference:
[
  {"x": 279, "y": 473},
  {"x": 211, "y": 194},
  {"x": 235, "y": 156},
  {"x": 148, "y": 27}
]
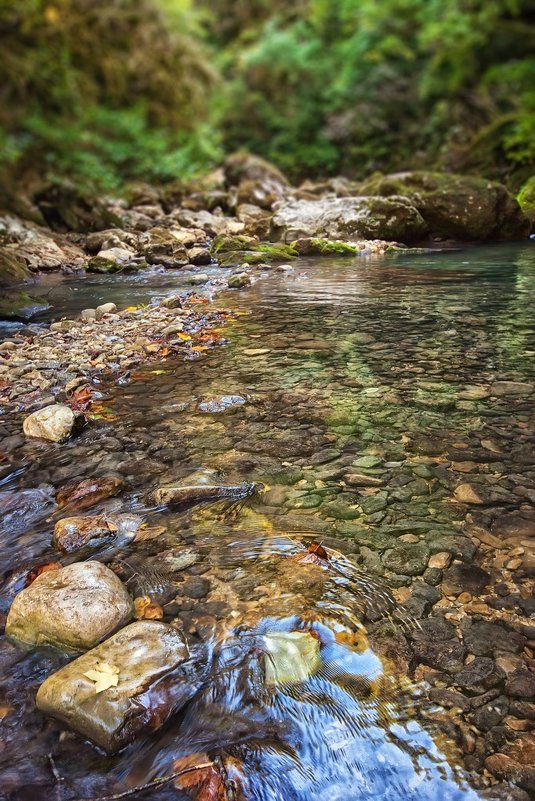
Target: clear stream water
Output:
[{"x": 340, "y": 367}]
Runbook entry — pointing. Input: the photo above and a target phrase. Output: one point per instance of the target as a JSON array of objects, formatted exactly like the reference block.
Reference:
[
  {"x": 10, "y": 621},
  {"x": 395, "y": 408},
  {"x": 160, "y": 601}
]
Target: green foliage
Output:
[
  {"x": 358, "y": 85},
  {"x": 526, "y": 198},
  {"x": 105, "y": 91}
]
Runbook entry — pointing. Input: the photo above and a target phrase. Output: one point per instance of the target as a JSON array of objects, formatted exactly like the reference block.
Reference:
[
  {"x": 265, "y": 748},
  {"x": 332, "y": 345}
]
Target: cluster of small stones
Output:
[{"x": 40, "y": 370}]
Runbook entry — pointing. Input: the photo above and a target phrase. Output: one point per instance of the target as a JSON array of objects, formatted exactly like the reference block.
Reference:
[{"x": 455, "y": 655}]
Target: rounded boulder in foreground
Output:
[
  {"x": 74, "y": 607},
  {"x": 54, "y": 423}
]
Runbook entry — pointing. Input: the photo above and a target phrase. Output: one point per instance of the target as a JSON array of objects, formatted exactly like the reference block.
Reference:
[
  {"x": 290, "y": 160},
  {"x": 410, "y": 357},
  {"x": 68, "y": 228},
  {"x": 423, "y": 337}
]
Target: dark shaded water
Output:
[{"x": 344, "y": 367}]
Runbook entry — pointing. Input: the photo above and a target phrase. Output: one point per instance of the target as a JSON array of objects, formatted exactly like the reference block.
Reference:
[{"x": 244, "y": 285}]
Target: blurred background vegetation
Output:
[{"x": 109, "y": 91}]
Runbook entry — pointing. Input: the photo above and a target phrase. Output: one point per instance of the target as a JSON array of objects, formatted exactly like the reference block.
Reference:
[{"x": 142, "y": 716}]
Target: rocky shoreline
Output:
[{"x": 464, "y": 579}]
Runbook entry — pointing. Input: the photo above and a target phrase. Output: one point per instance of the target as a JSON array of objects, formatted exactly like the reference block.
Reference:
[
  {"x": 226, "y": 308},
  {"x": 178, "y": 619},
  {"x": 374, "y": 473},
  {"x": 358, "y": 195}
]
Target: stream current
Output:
[{"x": 339, "y": 368}]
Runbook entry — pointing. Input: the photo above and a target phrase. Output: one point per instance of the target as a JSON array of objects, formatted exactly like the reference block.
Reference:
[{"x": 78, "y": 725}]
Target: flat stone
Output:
[
  {"x": 440, "y": 560},
  {"x": 196, "y": 587},
  {"x": 514, "y": 524},
  {"x": 471, "y": 494},
  {"x": 74, "y": 607},
  {"x": 502, "y": 388},
  {"x": 54, "y": 423},
  {"x": 479, "y": 676},
  {"x": 73, "y": 533},
  {"x": 407, "y": 559},
  {"x": 362, "y": 480},
  {"x": 486, "y": 639},
  {"x": 521, "y": 684},
  {"x": 466, "y": 577},
  {"x": 88, "y": 492},
  {"x": 154, "y": 682}
]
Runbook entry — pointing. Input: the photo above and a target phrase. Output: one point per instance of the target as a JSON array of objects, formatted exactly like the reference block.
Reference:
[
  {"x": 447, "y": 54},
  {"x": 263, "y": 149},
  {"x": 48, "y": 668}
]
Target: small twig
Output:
[
  {"x": 150, "y": 785},
  {"x": 58, "y": 778}
]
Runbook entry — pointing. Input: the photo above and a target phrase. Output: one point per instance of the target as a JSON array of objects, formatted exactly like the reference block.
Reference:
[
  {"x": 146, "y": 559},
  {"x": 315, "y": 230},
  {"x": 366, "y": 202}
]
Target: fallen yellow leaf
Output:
[
  {"x": 104, "y": 676},
  {"x": 184, "y": 337}
]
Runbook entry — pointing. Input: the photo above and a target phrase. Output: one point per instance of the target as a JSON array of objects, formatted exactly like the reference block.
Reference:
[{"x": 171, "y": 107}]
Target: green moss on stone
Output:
[
  {"x": 324, "y": 247},
  {"x": 526, "y": 199}
]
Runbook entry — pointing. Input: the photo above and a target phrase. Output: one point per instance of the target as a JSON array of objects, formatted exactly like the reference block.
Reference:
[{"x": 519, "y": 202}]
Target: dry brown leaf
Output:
[
  {"x": 206, "y": 780},
  {"x": 5, "y": 710},
  {"x": 145, "y": 533},
  {"x": 147, "y": 609}
]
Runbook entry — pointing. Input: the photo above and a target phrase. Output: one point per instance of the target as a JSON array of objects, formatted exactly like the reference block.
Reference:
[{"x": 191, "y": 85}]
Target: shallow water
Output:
[{"x": 345, "y": 367}]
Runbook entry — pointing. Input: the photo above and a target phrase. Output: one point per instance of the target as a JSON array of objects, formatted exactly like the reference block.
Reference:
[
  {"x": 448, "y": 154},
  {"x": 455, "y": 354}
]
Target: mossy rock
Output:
[
  {"x": 394, "y": 219},
  {"x": 223, "y": 243},
  {"x": 19, "y": 306},
  {"x": 65, "y": 207},
  {"x": 13, "y": 268},
  {"x": 324, "y": 247},
  {"x": 455, "y": 206},
  {"x": 100, "y": 264},
  {"x": 232, "y": 250},
  {"x": 526, "y": 199}
]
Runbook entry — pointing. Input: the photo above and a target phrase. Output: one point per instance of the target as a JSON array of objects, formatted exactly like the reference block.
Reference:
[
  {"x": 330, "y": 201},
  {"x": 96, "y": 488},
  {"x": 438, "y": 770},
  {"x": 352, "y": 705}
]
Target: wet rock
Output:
[
  {"x": 507, "y": 768},
  {"x": 445, "y": 655},
  {"x": 408, "y": 559},
  {"x": 73, "y": 607},
  {"x": 203, "y": 485},
  {"x": 13, "y": 268},
  {"x": 54, "y": 423},
  {"x": 466, "y": 577},
  {"x": 449, "y": 698},
  {"x": 155, "y": 679},
  {"x": 504, "y": 388},
  {"x": 88, "y": 492},
  {"x": 514, "y": 524},
  {"x": 521, "y": 684},
  {"x": 325, "y": 247},
  {"x": 221, "y": 403},
  {"x": 491, "y": 714},
  {"x": 239, "y": 280},
  {"x": 486, "y": 639},
  {"x": 363, "y": 480},
  {"x": 392, "y": 219},
  {"x": 455, "y": 206},
  {"x": 504, "y": 792},
  {"x": 105, "y": 308},
  {"x": 195, "y": 587},
  {"x": 479, "y": 676},
  {"x": 67, "y": 208},
  {"x": 372, "y": 538},
  {"x": 73, "y": 533}
]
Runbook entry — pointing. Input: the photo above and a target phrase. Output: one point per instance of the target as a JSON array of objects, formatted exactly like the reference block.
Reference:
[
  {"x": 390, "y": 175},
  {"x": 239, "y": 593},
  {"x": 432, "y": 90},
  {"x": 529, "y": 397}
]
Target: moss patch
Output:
[
  {"x": 324, "y": 247},
  {"x": 13, "y": 269},
  {"x": 526, "y": 199},
  {"x": 231, "y": 250},
  {"x": 19, "y": 306}
]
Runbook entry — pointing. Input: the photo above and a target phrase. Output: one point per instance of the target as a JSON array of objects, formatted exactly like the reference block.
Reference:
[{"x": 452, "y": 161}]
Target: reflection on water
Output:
[{"x": 340, "y": 370}]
